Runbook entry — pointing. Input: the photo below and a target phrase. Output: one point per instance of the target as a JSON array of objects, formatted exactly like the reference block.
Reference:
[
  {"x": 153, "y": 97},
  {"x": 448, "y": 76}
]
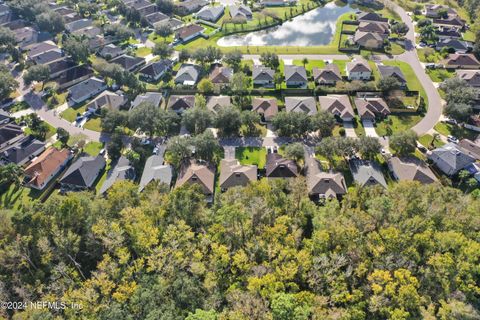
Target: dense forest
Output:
[{"x": 260, "y": 252}]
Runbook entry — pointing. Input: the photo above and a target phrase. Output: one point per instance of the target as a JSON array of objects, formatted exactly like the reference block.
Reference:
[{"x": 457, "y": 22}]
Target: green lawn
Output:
[
  {"x": 251, "y": 155},
  {"x": 440, "y": 75},
  {"x": 426, "y": 141},
  {"x": 103, "y": 177},
  {"x": 18, "y": 106},
  {"x": 456, "y": 131},
  {"x": 357, "y": 125},
  {"x": 18, "y": 197},
  {"x": 429, "y": 55},
  {"x": 93, "y": 148},
  {"x": 375, "y": 72},
  {"x": 51, "y": 131},
  {"x": 412, "y": 81},
  {"x": 397, "y": 123},
  {"x": 71, "y": 113},
  {"x": 310, "y": 65},
  {"x": 342, "y": 65},
  {"x": 95, "y": 124},
  {"x": 143, "y": 52}
]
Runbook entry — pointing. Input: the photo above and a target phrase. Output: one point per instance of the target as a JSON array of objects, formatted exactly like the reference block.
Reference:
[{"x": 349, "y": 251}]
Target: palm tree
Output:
[
  {"x": 305, "y": 61},
  {"x": 435, "y": 138},
  {"x": 11, "y": 173}
]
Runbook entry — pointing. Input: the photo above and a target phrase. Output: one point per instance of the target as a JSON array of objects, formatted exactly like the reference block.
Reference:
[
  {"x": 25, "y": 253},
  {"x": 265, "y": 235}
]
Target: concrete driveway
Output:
[
  {"x": 369, "y": 128},
  {"x": 349, "y": 130}
]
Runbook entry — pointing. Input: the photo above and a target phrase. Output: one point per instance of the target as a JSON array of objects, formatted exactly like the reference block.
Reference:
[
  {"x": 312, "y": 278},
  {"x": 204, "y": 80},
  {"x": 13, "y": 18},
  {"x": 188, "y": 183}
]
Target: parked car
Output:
[
  {"x": 451, "y": 121},
  {"x": 155, "y": 151},
  {"x": 145, "y": 141},
  {"x": 452, "y": 139},
  {"x": 422, "y": 149}
]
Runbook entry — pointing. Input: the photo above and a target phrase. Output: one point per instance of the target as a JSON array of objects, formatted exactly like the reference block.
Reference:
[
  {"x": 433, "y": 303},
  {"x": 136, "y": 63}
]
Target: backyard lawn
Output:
[
  {"x": 93, "y": 148},
  {"x": 412, "y": 80},
  {"x": 397, "y": 123},
  {"x": 18, "y": 197},
  {"x": 103, "y": 177},
  {"x": 426, "y": 141},
  {"x": 251, "y": 155},
  {"x": 51, "y": 131}
]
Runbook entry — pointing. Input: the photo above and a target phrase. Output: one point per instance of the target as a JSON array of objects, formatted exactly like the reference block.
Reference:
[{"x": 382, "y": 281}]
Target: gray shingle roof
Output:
[
  {"x": 123, "y": 170},
  {"x": 83, "y": 172},
  {"x": 154, "y": 98},
  {"x": 155, "y": 170},
  {"x": 261, "y": 73},
  {"x": 23, "y": 149},
  {"x": 85, "y": 87},
  {"x": 367, "y": 173},
  {"x": 392, "y": 71},
  {"x": 295, "y": 73},
  {"x": 301, "y": 104},
  {"x": 450, "y": 158}
]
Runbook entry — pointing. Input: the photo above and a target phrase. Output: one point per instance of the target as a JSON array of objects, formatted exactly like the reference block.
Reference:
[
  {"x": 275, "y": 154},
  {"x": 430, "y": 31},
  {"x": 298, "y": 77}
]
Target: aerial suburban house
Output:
[
  {"x": 433, "y": 10},
  {"x": 450, "y": 159},
  {"x": 190, "y": 6},
  {"x": 301, "y": 104},
  {"x": 233, "y": 174},
  {"x": 358, "y": 69},
  {"x": 42, "y": 169},
  {"x": 367, "y": 173},
  {"x": 472, "y": 77},
  {"x": 392, "y": 71},
  {"x": 461, "y": 61},
  {"x": 215, "y": 103},
  {"x": 279, "y": 167},
  {"x": 471, "y": 148},
  {"x": 448, "y": 33},
  {"x": 263, "y": 76},
  {"x": 210, "y": 13},
  {"x": 78, "y": 25},
  {"x": 221, "y": 75},
  {"x": 155, "y": 170},
  {"x": 180, "y": 103},
  {"x": 123, "y": 170},
  {"x": 454, "y": 22},
  {"x": 129, "y": 63},
  {"x": 278, "y": 3},
  {"x": 329, "y": 75},
  {"x": 371, "y": 108},
  {"x": 10, "y": 133},
  {"x": 198, "y": 173},
  {"x": 240, "y": 12},
  {"x": 110, "y": 51},
  {"x": 156, "y": 70},
  {"x": 36, "y": 49},
  {"x": 59, "y": 67},
  {"x": 338, "y": 105},
  {"x": 143, "y": 7},
  {"x": 411, "y": 169},
  {"x": 156, "y": 19},
  {"x": 266, "y": 107},
  {"x": 369, "y": 40},
  {"x": 82, "y": 173},
  {"x": 25, "y": 36},
  {"x": 86, "y": 89},
  {"x": 373, "y": 27},
  {"x": 73, "y": 76},
  {"x": 187, "y": 75},
  {"x": 371, "y": 17},
  {"x": 153, "y": 98},
  {"x": 295, "y": 76},
  {"x": 22, "y": 151},
  {"x": 49, "y": 56},
  {"x": 321, "y": 184},
  {"x": 459, "y": 46},
  {"x": 108, "y": 99}
]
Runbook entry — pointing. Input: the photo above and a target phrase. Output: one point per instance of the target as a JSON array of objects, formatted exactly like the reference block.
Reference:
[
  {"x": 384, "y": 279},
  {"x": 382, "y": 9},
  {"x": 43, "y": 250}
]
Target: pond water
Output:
[{"x": 314, "y": 28}]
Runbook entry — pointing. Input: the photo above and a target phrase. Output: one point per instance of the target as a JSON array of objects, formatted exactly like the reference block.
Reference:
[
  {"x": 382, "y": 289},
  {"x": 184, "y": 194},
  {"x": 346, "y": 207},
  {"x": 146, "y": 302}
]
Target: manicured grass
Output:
[
  {"x": 311, "y": 64},
  {"x": 71, "y": 113},
  {"x": 143, "y": 52},
  {"x": 18, "y": 106},
  {"x": 103, "y": 177},
  {"x": 456, "y": 131},
  {"x": 469, "y": 35},
  {"x": 440, "y": 75},
  {"x": 397, "y": 123},
  {"x": 426, "y": 141},
  {"x": 95, "y": 124},
  {"x": 375, "y": 72},
  {"x": 18, "y": 197},
  {"x": 208, "y": 29},
  {"x": 342, "y": 64},
  {"x": 93, "y": 148},
  {"x": 412, "y": 81},
  {"x": 429, "y": 55},
  {"x": 251, "y": 155},
  {"x": 358, "y": 127},
  {"x": 51, "y": 131}
]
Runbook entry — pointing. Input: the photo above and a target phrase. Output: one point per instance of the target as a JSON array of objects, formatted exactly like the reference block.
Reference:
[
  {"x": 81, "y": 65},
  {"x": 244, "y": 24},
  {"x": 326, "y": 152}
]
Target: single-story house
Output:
[
  {"x": 472, "y": 77},
  {"x": 110, "y": 51},
  {"x": 86, "y": 89},
  {"x": 199, "y": 173},
  {"x": 338, "y": 105},
  {"x": 10, "y": 133},
  {"x": 129, "y": 63},
  {"x": 392, "y": 71},
  {"x": 59, "y": 67},
  {"x": 221, "y": 75},
  {"x": 411, "y": 169},
  {"x": 156, "y": 19},
  {"x": 471, "y": 148},
  {"x": 367, "y": 173},
  {"x": 461, "y": 61},
  {"x": 233, "y": 174},
  {"x": 22, "y": 151},
  {"x": 82, "y": 173},
  {"x": 266, "y": 107},
  {"x": 189, "y": 32},
  {"x": 374, "y": 27},
  {"x": 155, "y": 170},
  {"x": 279, "y": 167},
  {"x": 123, "y": 170},
  {"x": 328, "y": 75},
  {"x": 143, "y": 7},
  {"x": 451, "y": 22},
  {"x": 371, "y": 108},
  {"x": 78, "y": 25},
  {"x": 42, "y": 169},
  {"x": 458, "y": 45},
  {"x": 432, "y": 10},
  {"x": 154, "y": 98},
  {"x": 109, "y": 100},
  {"x": 371, "y": 16},
  {"x": 358, "y": 69},
  {"x": 450, "y": 159},
  {"x": 180, "y": 103},
  {"x": 370, "y": 40},
  {"x": 301, "y": 104},
  {"x": 263, "y": 76},
  {"x": 49, "y": 56},
  {"x": 73, "y": 76},
  {"x": 210, "y": 13},
  {"x": 321, "y": 184},
  {"x": 155, "y": 70},
  {"x": 295, "y": 76},
  {"x": 448, "y": 33},
  {"x": 189, "y": 6},
  {"x": 240, "y": 12},
  {"x": 25, "y": 36},
  {"x": 214, "y": 103},
  {"x": 36, "y": 49},
  {"x": 187, "y": 75}
]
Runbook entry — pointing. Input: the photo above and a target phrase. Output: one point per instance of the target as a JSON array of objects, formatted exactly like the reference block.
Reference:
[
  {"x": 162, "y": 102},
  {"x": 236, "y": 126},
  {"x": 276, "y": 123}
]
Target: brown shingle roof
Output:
[
  {"x": 266, "y": 106},
  {"x": 193, "y": 172},
  {"x": 371, "y": 107},
  {"x": 337, "y": 105},
  {"x": 331, "y": 72},
  {"x": 411, "y": 169},
  {"x": 278, "y": 167},
  {"x": 233, "y": 174}
]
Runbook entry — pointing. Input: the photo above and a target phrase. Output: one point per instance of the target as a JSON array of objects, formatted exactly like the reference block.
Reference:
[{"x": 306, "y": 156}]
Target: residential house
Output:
[
  {"x": 189, "y": 6},
  {"x": 233, "y": 174},
  {"x": 89, "y": 32},
  {"x": 153, "y": 98},
  {"x": 358, "y": 70},
  {"x": 371, "y": 17},
  {"x": 448, "y": 33},
  {"x": 36, "y": 49},
  {"x": 373, "y": 27},
  {"x": 187, "y": 75},
  {"x": 5, "y": 117},
  {"x": 328, "y": 75},
  {"x": 295, "y": 76},
  {"x": 392, "y": 71},
  {"x": 472, "y": 77},
  {"x": 129, "y": 63},
  {"x": 221, "y": 75},
  {"x": 461, "y": 61},
  {"x": 180, "y": 103},
  {"x": 450, "y": 159},
  {"x": 214, "y": 103},
  {"x": 123, "y": 170},
  {"x": 48, "y": 57},
  {"x": 471, "y": 148},
  {"x": 108, "y": 99},
  {"x": 59, "y": 67},
  {"x": 10, "y": 133},
  {"x": 338, "y": 105},
  {"x": 110, "y": 51},
  {"x": 371, "y": 108},
  {"x": 156, "y": 19},
  {"x": 266, "y": 107},
  {"x": 367, "y": 173},
  {"x": 210, "y": 13},
  {"x": 155, "y": 170},
  {"x": 369, "y": 40},
  {"x": 189, "y": 32},
  {"x": 456, "y": 44},
  {"x": 301, "y": 104},
  {"x": 45, "y": 167},
  {"x": 156, "y": 70},
  {"x": 82, "y": 173},
  {"x": 78, "y": 25},
  {"x": 25, "y": 36},
  {"x": 411, "y": 169},
  {"x": 263, "y": 76},
  {"x": 279, "y": 167},
  {"x": 432, "y": 10},
  {"x": 240, "y": 12},
  {"x": 277, "y": 3},
  {"x": 86, "y": 89},
  {"x": 454, "y": 22},
  {"x": 321, "y": 184},
  {"x": 143, "y": 7},
  {"x": 73, "y": 76},
  {"x": 22, "y": 151},
  {"x": 198, "y": 173}
]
